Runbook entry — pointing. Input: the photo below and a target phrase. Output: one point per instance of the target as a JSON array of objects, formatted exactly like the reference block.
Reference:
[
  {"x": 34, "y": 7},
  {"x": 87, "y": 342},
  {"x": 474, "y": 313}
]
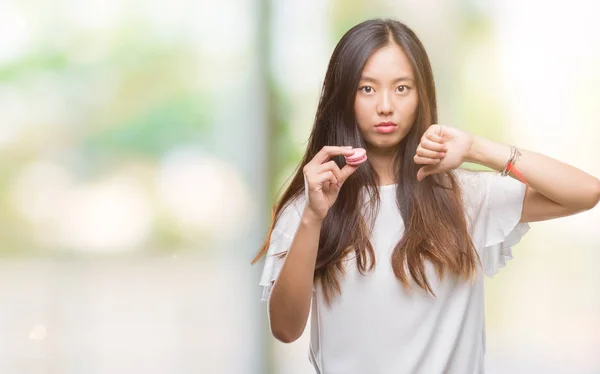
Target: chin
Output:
[
  {"x": 389, "y": 145},
  {"x": 387, "y": 142}
]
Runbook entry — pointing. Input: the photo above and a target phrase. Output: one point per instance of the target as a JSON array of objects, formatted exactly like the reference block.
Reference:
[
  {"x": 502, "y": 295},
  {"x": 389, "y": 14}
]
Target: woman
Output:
[{"x": 390, "y": 254}]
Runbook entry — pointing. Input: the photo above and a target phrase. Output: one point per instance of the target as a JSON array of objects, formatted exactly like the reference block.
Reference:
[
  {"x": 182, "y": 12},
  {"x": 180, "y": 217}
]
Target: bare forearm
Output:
[
  {"x": 560, "y": 182},
  {"x": 289, "y": 304}
]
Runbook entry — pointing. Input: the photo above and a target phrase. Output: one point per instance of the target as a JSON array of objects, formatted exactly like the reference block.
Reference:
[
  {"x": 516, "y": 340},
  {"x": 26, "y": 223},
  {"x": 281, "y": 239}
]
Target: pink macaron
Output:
[{"x": 359, "y": 156}]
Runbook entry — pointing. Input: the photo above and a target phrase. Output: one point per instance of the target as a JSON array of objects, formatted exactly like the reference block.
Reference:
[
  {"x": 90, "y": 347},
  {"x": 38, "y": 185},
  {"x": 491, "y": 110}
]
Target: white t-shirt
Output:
[{"x": 375, "y": 326}]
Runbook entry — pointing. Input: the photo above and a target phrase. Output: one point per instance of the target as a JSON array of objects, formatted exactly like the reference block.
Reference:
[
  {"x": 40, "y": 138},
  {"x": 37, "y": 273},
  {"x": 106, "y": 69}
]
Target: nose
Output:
[{"x": 385, "y": 105}]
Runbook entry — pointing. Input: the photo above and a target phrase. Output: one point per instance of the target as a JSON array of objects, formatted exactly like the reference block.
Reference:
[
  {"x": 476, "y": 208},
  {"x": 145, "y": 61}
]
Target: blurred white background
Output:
[{"x": 143, "y": 143}]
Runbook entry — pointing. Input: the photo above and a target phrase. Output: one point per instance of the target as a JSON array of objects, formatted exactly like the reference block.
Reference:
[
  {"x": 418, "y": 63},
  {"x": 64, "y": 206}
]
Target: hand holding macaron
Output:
[{"x": 323, "y": 179}]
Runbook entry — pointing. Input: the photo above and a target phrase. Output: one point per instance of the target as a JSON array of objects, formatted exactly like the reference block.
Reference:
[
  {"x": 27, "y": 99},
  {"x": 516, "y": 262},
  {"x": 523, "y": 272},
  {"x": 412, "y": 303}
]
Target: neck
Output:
[{"x": 382, "y": 161}]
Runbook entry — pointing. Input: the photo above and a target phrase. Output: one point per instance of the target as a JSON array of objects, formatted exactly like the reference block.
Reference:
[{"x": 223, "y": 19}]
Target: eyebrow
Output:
[{"x": 399, "y": 79}]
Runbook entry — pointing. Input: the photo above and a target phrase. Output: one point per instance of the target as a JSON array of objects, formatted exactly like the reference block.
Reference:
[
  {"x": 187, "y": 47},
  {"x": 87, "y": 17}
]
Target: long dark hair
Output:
[{"x": 432, "y": 210}]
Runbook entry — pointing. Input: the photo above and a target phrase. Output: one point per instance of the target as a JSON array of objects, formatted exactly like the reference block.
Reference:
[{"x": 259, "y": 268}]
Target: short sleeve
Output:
[
  {"x": 496, "y": 205},
  {"x": 281, "y": 240}
]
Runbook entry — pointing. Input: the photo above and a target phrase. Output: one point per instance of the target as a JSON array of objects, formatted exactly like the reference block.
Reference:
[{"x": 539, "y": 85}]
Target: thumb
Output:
[
  {"x": 424, "y": 172},
  {"x": 347, "y": 171}
]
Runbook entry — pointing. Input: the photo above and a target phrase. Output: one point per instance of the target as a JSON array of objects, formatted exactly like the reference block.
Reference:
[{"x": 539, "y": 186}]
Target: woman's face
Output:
[{"x": 386, "y": 101}]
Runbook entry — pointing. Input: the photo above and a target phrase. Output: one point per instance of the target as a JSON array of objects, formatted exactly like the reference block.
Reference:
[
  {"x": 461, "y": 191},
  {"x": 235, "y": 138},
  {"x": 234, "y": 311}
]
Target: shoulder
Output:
[
  {"x": 490, "y": 182},
  {"x": 295, "y": 206},
  {"x": 291, "y": 214},
  {"x": 470, "y": 176},
  {"x": 472, "y": 181},
  {"x": 474, "y": 185},
  {"x": 489, "y": 189}
]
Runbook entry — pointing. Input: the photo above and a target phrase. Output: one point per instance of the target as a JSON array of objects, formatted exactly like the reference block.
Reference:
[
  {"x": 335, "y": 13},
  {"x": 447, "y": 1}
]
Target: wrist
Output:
[
  {"x": 309, "y": 217},
  {"x": 474, "y": 154},
  {"x": 487, "y": 153}
]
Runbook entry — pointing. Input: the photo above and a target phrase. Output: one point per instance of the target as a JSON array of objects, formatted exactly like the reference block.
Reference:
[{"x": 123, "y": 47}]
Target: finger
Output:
[
  {"x": 434, "y": 137},
  {"x": 321, "y": 178},
  {"x": 425, "y": 171},
  {"x": 431, "y": 154},
  {"x": 421, "y": 174},
  {"x": 426, "y": 160},
  {"x": 347, "y": 171},
  {"x": 436, "y": 129},
  {"x": 433, "y": 146},
  {"x": 328, "y": 151},
  {"x": 323, "y": 172},
  {"x": 314, "y": 181},
  {"x": 330, "y": 186},
  {"x": 331, "y": 166}
]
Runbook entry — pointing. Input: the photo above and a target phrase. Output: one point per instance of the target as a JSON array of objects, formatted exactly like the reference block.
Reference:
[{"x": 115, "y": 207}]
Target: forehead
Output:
[{"x": 388, "y": 63}]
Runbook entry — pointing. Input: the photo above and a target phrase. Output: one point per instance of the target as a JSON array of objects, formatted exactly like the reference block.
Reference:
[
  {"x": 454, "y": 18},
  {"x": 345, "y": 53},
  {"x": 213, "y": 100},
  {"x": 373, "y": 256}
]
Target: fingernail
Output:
[{"x": 443, "y": 154}]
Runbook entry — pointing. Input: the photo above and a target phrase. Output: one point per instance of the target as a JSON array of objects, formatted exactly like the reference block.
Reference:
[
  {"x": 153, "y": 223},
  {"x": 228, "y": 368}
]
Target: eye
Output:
[
  {"x": 366, "y": 89},
  {"x": 403, "y": 89}
]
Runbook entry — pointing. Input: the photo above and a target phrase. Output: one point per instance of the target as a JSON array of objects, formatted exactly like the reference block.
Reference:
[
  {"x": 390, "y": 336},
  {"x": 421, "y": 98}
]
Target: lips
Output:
[{"x": 385, "y": 127}]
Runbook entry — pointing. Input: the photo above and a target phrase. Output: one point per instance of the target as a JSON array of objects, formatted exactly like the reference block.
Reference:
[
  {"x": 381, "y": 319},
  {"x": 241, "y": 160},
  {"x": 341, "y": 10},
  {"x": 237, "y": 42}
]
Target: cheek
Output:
[
  {"x": 363, "y": 114},
  {"x": 413, "y": 103},
  {"x": 408, "y": 108},
  {"x": 361, "y": 110}
]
